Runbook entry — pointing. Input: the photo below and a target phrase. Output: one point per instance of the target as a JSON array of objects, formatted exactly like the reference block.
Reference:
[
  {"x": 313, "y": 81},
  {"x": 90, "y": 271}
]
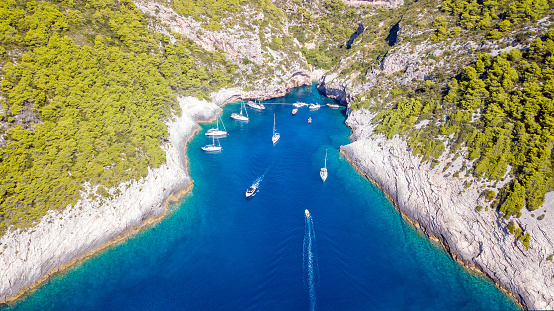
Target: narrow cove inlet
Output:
[{"x": 297, "y": 244}]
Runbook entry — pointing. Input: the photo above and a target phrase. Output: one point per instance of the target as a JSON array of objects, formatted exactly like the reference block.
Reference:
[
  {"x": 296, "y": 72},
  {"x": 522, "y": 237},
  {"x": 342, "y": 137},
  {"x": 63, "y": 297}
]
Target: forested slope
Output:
[
  {"x": 468, "y": 78},
  {"x": 86, "y": 87}
]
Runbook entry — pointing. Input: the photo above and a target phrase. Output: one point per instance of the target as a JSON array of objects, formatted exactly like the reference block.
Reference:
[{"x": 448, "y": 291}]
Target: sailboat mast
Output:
[{"x": 325, "y": 158}]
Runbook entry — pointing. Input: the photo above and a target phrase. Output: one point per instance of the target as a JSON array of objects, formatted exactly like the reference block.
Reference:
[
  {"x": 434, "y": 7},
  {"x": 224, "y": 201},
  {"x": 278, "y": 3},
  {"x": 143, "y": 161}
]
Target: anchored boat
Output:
[
  {"x": 275, "y": 136},
  {"x": 323, "y": 171},
  {"x": 216, "y": 131},
  {"x": 213, "y": 146},
  {"x": 240, "y": 117}
]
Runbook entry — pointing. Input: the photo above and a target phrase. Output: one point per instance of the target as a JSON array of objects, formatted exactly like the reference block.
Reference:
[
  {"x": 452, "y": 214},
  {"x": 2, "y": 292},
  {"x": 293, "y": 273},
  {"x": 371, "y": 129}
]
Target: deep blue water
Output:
[{"x": 219, "y": 251}]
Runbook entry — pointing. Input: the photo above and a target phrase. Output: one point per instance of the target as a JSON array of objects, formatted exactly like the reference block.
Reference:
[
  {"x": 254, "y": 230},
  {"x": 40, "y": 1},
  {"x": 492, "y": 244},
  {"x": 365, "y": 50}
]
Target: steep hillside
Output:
[
  {"x": 469, "y": 97},
  {"x": 90, "y": 91}
]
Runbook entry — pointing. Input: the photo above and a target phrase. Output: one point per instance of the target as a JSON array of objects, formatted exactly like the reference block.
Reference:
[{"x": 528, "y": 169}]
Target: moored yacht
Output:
[
  {"x": 240, "y": 117},
  {"x": 216, "y": 131},
  {"x": 299, "y": 104},
  {"x": 213, "y": 147},
  {"x": 323, "y": 171},
  {"x": 294, "y": 111},
  {"x": 276, "y": 135},
  {"x": 333, "y": 105},
  {"x": 256, "y": 106},
  {"x": 314, "y": 106}
]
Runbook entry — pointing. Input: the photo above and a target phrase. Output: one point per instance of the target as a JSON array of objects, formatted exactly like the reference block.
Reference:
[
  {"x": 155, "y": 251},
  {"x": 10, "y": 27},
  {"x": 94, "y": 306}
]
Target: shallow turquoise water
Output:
[{"x": 219, "y": 251}]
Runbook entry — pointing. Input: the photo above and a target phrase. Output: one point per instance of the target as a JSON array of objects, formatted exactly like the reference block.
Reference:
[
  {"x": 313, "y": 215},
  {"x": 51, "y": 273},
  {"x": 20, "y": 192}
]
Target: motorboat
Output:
[
  {"x": 213, "y": 147},
  {"x": 310, "y": 120},
  {"x": 323, "y": 171},
  {"x": 294, "y": 111},
  {"x": 251, "y": 191},
  {"x": 256, "y": 106},
  {"x": 216, "y": 131},
  {"x": 307, "y": 213},
  {"x": 299, "y": 104},
  {"x": 333, "y": 105},
  {"x": 276, "y": 135},
  {"x": 240, "y": 117},
  {"x": 314, "y": 106}
]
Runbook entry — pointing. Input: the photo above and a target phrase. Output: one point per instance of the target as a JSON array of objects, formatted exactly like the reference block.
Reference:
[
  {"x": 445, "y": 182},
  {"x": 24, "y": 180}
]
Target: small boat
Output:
[
  {"x": 213, "y": 146},
  {"x": 310, "y": 120},
  {"x": 216, "y": 131},
  {"x": 256, "y": 106},
  {"x": 251, "y": 191},
  {"x": 275, "y": 136},
  {"x": 240, "y": 117},
  {"x": 314, "y": 106},
  {"x": 294, "y": 111},
  {"x": 323, "y": 171},
  {"x": 307, "y": 213},
  {"x": 333, "y": 105},
  {"x": 299, "y": 104}
]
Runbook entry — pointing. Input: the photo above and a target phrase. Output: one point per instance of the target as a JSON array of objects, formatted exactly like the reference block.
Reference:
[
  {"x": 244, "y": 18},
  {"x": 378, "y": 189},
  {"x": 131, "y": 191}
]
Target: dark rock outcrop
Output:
[
  {"x": 334, "y": 90},
  {"x": 355, "y": 35}
]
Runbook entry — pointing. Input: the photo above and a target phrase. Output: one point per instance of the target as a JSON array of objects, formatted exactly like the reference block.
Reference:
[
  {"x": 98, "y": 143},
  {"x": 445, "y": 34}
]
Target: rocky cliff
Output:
[{"x": 445, "y": 209}]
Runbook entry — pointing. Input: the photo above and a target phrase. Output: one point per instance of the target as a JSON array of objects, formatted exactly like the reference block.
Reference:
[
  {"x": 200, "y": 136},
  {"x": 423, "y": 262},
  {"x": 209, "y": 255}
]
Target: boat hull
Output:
[
  {"x": 239, "y": 117},
  {"x": 275, "y": 137},
  {"x": 211, "y": 148},
  {"x": 216, "y": 133},
  {"x": 323, "y": 174}
]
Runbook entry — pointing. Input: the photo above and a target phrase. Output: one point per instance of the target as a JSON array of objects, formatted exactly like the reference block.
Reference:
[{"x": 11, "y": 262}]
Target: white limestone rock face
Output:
[
  {"x": 236, "y": 44},
  {"x": 447, "y": 210},
  {"x": 63, "y": 236}
]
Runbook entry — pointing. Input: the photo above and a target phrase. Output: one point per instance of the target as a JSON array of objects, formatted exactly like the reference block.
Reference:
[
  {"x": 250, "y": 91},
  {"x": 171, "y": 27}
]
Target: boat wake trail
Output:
[
  {"x": 258, "y": 180},
  {"x": 311, "y": 270}
]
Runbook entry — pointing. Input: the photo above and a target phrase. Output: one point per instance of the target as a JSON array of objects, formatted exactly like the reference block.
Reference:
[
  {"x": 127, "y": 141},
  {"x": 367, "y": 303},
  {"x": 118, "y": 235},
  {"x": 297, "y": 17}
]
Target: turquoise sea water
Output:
[{"x": 219, "y": 251}]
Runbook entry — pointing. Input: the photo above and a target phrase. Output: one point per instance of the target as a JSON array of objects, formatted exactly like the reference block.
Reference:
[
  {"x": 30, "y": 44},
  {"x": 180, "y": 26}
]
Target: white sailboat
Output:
[
  {"x": 275, "y": 136},
  {"x": 255, "y": 105},
  {"x": 323, "y": 172},
  {"x": 216, "y": 131},
  {"x": 213, "y": 146},
  {"x": 240, "y": 117}
]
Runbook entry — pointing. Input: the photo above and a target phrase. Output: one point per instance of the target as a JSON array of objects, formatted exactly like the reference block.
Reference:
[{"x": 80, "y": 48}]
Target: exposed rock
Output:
[
  {"x": 355, "y": 35},
  {"x": 334, "y": 90},
  {"x": 65, "y": 236},
  {"x": 393, "y": 37},
  {"x": 236, "y": 44},
  {"x": 389, "y": 3},
  {"x": 445, "y": 209}
]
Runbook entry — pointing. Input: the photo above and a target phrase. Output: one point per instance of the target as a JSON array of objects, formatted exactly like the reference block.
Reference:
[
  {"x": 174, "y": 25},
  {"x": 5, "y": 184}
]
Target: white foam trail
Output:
[
  {"x": 258, "y": 180},
  {"x": 310, "y": 261}
]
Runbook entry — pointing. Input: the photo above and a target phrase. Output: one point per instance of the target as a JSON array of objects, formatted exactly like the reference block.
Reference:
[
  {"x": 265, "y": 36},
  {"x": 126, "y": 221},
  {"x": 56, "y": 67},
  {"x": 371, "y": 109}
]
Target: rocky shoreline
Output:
[
  {"x": 445, "y": 209},
  {"x": 63, "y": 237}
]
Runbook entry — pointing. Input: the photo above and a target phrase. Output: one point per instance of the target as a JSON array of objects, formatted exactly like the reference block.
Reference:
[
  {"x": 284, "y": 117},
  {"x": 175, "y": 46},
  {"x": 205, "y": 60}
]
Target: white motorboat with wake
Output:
[
  {"x": 251, "y": 191},
  {"x": 307, "y": 213}
]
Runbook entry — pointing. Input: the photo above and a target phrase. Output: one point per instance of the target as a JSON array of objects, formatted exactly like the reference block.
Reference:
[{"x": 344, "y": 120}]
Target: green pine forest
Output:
[{"x": 86, "y": 87}]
